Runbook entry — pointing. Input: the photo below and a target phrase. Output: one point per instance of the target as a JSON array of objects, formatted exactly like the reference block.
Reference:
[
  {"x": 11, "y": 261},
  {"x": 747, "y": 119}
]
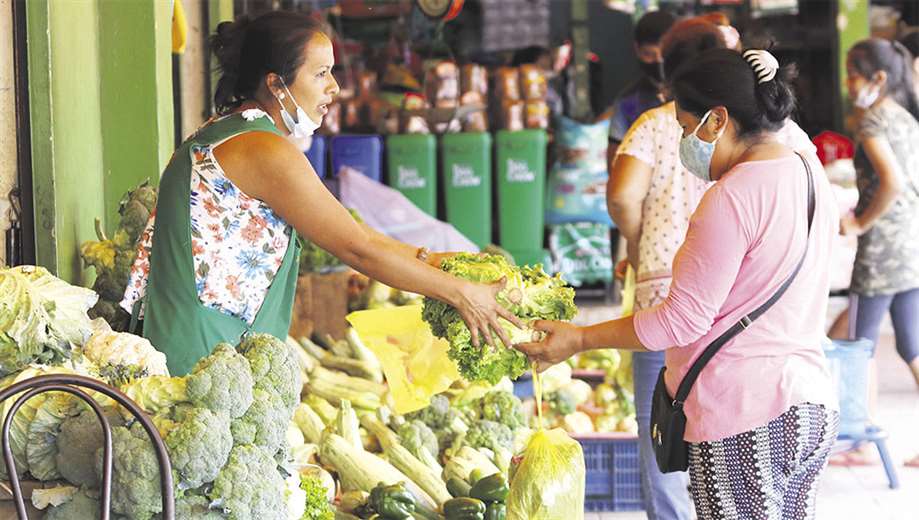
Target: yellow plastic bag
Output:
[
  {"x": 415, "y": 363},
  {"x": 548, "y": 481}
]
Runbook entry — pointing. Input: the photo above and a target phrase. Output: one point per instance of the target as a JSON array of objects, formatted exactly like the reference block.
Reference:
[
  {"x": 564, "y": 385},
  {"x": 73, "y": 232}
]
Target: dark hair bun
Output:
[
  {"x": 226, "y": 45},
  {"x": 776, "y": 98}
]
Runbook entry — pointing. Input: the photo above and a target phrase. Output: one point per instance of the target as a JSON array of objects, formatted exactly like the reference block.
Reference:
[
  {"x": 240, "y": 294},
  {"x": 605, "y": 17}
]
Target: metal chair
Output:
[{"x": 70, "y": 383}]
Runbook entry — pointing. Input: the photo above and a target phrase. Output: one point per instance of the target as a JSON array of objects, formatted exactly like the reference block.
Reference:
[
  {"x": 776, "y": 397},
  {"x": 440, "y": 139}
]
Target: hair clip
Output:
[{"x": 763, "y": 63}]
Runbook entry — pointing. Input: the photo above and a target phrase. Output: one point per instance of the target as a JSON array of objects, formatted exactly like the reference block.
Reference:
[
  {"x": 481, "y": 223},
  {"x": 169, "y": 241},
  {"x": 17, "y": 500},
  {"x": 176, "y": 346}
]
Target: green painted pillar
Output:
[
  {"x": 135, "y": 40},
  {"x": 853, "y": 24},
  {"x": 100, "y": 100},
  {"x": 64, "y": 104}
]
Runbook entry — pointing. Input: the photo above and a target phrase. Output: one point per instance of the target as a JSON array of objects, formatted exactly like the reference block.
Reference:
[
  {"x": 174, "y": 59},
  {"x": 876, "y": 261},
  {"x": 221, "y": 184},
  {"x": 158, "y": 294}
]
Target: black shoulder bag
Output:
[{"x": 668, "y": 420}]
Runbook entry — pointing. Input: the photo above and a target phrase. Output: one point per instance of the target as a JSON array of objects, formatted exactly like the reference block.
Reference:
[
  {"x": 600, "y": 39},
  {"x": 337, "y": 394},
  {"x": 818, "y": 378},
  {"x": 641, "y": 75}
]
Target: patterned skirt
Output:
[{"x": 770, "y": 473}]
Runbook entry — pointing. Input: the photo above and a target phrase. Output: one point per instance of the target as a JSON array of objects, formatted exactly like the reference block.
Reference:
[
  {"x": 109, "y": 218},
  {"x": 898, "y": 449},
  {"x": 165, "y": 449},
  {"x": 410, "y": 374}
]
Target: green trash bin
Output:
[
  {"x": 467, "y": 184},
  {"x": 412, "y": 169},
  {"x": 521, "y": 162}
]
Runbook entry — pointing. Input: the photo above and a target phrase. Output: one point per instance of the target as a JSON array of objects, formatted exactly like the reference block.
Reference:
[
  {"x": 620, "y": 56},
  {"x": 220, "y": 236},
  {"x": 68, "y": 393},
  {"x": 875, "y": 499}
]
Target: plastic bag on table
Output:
[
  {"x": 415, "y": 363},
  {"x": 391, "y": 213},
  {"x": 547, "y": 481}
]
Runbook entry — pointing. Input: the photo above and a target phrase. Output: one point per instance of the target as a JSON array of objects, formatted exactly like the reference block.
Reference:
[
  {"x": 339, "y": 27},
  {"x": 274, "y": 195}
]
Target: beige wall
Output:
[
  {"x": 193, "y": 69},
  {"x": 7, "y": 118}
]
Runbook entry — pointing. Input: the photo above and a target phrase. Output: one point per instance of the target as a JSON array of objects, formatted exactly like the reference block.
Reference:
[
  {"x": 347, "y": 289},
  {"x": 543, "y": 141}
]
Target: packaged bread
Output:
[
  {"x": 537, "y": 115},
  {"x": 478, "y": 120},
  {"x": 511, "y": 114},
  {"x": 367, "y": 84},
  {"x": 351, "y": 113},
  {"x": 474, "y": 78},
  {"x": 507, "y": 84},
  {"x": 442, "y": 82},
  {"x": 534, "y": 82}
]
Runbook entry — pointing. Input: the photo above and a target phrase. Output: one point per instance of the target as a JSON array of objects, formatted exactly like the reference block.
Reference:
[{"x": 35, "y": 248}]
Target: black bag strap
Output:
[{"x": 737, "y": 328}]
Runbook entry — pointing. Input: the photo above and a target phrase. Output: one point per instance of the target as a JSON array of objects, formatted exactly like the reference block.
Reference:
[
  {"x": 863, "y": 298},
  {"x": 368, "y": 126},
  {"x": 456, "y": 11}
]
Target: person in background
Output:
[
  {"x": 911, "y": 42},
  {"x": 645, "y": 92},
  {"x": 763, "y": 415},
  {"x": 220, "y": 259},
  {"x": 885, "y": 278},
  {"x": 651, "y": 197},
  {"x": 542, "y": 58}
]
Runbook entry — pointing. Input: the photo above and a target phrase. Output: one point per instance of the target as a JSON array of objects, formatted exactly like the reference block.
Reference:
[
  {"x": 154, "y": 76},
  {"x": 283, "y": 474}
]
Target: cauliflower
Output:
[
  {"x": 199, "y": 445},
  {"x": 196, "y": 507},
  {"x": 80, "y": 505},
  {"x": 135, "y": 474},
  {"x": 503, "y": 407},
  {"x": 44, "y": 497},
  {"x": 274, "y": 367},
  {"x": 415, "y": 435},
  {"x": 264, "y": 424},
  {"x": 222, "y": 382},
  {"x": 122, "y": 357},
  {"x": 249, "y": 487}
]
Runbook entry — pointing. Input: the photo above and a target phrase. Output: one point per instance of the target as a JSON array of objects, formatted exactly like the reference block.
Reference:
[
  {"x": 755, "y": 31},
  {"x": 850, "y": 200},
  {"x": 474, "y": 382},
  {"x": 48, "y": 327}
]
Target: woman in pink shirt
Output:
[{"x": 761, "y": 417}]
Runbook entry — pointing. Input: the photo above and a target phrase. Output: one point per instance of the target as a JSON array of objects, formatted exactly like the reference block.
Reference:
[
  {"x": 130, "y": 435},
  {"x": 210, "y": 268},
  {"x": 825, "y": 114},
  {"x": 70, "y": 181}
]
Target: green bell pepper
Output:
[
  {"x": 496, "y": 511},
  {"x": 490, "y": 489},
  {"x": 458, "y": 488},
  {"x": 392, "y": 502},
  {"x": 464, "y": 509}
]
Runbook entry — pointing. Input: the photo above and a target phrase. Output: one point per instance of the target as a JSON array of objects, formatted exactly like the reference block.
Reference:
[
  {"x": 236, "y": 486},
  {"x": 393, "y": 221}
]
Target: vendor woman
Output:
[{"x": 222, "y": 261}]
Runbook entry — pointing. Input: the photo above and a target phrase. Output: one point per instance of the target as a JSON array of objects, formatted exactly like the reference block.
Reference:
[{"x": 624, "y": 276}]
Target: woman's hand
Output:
[
  {"x": 850, "y": 226},
  {"x": 562, "y": 340},
  {"x": 478, "y": 305}
]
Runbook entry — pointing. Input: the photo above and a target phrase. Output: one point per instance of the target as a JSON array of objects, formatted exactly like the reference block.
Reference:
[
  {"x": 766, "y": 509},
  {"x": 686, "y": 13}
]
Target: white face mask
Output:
[
  {"x": 867, "y": 96},
  {"x": 696, "y": 154},
  {"x": 303, "y": 126}
]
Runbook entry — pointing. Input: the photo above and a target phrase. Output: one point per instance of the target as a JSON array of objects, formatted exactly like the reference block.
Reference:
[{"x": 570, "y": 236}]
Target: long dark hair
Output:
[
  {"x": 722, "y": 77},
  {"x": 868, "y": 57},
  {"x": 248, "y": 49}
]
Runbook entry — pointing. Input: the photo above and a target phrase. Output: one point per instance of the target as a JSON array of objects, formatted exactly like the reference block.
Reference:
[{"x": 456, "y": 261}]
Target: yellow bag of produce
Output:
[
  {"x": 547, "y": 480},
  {"x": 415, "y": 363}
]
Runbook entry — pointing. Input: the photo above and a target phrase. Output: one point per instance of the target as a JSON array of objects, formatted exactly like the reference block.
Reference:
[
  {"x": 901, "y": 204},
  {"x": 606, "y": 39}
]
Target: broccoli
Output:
[
  {"x": 274, "y": 367},
  {"x": 250, "y": 487},
  {"x": 81, "y": 505},
  {"x": 199, "y": 445},
  {"x": 264, "y": 424},
  {"x": 562, "y": 402},
  {"x": 491, "y": 435},
  {"x": 222, "y": 382},
  {"x": 436, "y": 415},
  {"x": 196, "y": 507},
  {"x": 135, "y": 474},
  {"x": 529, "y": 293},
  {"x": 503, "y": 407},
  {"x": 77, "y": 443},
  {"x": 317, "y": 504},
  {"x": 415, "y": 435}
]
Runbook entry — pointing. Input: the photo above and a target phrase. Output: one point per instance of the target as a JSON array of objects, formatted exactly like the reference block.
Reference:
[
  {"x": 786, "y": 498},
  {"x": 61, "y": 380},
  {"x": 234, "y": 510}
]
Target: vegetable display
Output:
[
  {"x": 112, "y": 258},
  {"x": 529, "y": 293}
]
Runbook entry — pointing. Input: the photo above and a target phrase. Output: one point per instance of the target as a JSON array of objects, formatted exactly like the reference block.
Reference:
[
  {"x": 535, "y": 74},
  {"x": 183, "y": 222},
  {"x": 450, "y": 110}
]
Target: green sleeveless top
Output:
[{"x": 175, "y": 321}]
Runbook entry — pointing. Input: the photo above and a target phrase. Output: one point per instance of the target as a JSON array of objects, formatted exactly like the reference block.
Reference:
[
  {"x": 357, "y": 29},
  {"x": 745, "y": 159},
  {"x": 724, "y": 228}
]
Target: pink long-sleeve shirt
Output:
[{"x": 743, "y": 241}]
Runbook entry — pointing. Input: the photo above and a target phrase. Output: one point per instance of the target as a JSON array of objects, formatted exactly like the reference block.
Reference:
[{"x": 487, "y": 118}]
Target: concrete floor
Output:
[{"x": 855, "y": 492}]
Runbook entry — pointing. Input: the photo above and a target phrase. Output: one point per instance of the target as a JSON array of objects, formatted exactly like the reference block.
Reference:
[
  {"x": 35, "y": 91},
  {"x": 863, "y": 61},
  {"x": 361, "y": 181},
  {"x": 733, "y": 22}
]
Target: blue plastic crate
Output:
[
  {"x": 363, "y": 153},
  {"x": 613, "y": 480},
  {"x": 316, "y": 155}
]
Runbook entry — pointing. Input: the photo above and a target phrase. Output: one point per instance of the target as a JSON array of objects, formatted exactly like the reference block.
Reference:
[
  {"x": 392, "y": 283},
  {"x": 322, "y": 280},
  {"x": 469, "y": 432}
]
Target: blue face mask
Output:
[{"x": 696, "y": 154}]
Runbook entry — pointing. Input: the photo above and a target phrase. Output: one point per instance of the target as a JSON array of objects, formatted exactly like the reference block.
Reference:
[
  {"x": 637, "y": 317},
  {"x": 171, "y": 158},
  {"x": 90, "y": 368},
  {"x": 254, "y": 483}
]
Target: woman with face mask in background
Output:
[
  {"x": 220, "y": 259},
  {"x": 886, "y": 220},
  {"x": 762, "y": 415},
  {"x": 651, "y": 197}
]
